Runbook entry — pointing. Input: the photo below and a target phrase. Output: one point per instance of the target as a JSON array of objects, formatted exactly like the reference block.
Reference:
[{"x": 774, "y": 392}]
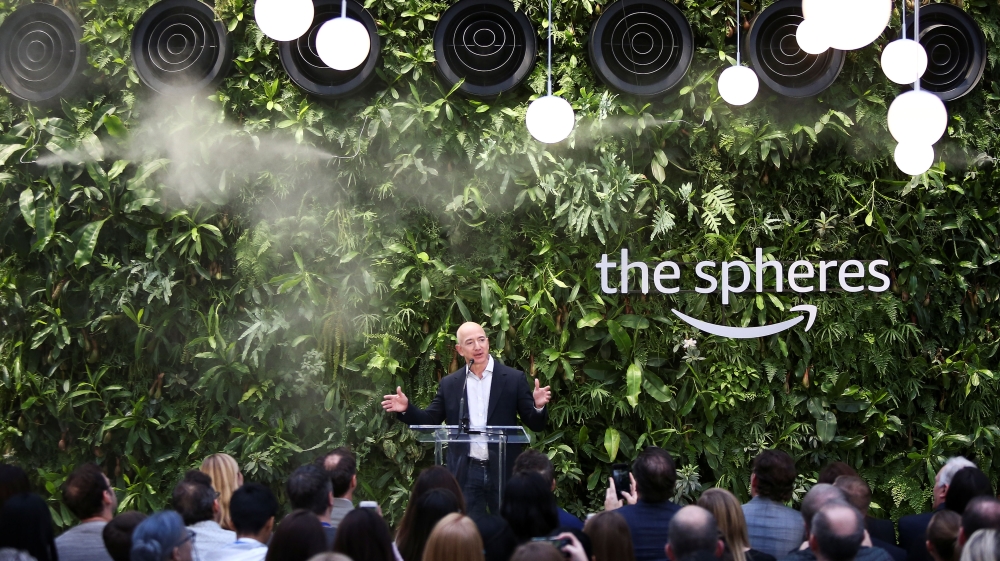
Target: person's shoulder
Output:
[
  {"x": 504, "y": 370},
  {"x": 754, "y": 555},
  {"x": 800, "y": 555},
  {"x": 873, "y": 554},
  {"x": 918, "y": 519}
]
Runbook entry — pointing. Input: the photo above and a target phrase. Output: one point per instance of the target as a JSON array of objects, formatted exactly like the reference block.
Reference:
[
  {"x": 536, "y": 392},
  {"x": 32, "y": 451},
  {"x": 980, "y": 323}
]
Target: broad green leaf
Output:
[
  {"x": 425, "y": 289},
  {"x": 612, "y": 440},
  {"x": 621, "y": 338},
  {"x": 633, "y": 383},
  {"x": 589, "y": 320},
  {"x": 87, "y": 243},
  {"x": 27, "y": 203},
  {"x": 400, "y": 277},
  {"x": 656, "y": 388}
]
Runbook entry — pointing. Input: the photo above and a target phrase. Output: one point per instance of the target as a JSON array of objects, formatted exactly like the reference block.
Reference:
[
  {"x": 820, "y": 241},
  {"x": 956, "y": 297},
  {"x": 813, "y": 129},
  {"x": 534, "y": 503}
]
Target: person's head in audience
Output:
[
  {"x": 117, "y": 534},
  {"x": 818, "y": 497},
  {"x": 831, "y": 472},
  {"x": 309, "y": 488},
  {"x": 253, "y": 508},
  {"x": 529, "y": 506},
  {"x": 330, "y": 557},
  {"x": 454, "y": 538},
  {"x": 363, "y": 536},
  {"x": 693, "y": 531},
  {"x": 342, "y": 467},
  {"x": 87, "y": 493},
  {"x": 728, "y": 513},
  {"x": 429, "y": 509},
  {"x": 299, "y": 537},
  {"x": 499, "y": 541},
  {"x": 26, "y": 525},
  {"x": 162, "y": 537},
  {"x": 610, "y": 537},
  {"x": 533, "y": 460},
  {"x": 226, "y": 478},
  {"x": 655, "y": 475},
  {"x": 773, "y": 476},
  {"x": 856, "y": 491},
  {"x": 195, "y": 499},
  {"x": 13, "y": 481},
  {"x": 967, "y": 484},
  {"x": 436, "y": 477},
  {"x": 944, "y": 476},
  {"x": 942, "y": 535},
  {"x": 982, "y": 513},
  {"x": 836, "y": 532},
  {"x": 984, "y": 545},
  {"x": 537, "y": 551}
]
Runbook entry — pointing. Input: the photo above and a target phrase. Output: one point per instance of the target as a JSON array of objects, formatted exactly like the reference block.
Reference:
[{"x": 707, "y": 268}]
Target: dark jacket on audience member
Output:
[
  {"x": 897, "y": 553},
  {"x": 648, "y": 523},
  {"x": 567, "y": 520},
  {"x": 913, "y": 536},
  {"x": 881, "y": 529},
  {"x": 864, "y": 554}
]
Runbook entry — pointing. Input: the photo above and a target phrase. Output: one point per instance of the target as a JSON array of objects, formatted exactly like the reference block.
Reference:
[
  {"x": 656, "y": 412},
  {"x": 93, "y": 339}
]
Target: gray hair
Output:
[
  {"x": 951, "y": 467},
  {"x": 982, "y": 546}
]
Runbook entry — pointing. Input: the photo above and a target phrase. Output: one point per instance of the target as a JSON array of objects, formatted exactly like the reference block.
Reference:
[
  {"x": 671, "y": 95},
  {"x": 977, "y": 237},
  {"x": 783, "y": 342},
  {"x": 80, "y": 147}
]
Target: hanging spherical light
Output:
[
  {"x": 284, "y": 20},
  {"x": 914, "y": 158},
  {"x": 738, "y": 85},
  {"x": 550, "y": 119},
  {"x": 918, "y": 117},
  {"x": 343, "y": 43},
  {"x": 850, "y": 24},
  {"x": 812, "y": 36},
  {"x": 904, "y": 61}
]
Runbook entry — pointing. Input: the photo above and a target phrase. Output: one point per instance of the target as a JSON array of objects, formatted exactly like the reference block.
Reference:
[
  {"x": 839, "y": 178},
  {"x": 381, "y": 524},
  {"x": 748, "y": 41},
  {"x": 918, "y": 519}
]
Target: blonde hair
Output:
[
  {"x": 728, "y": 514},
  {"x": 454, "y": 538},
  {"x": 982, "y": 546},
  {"x": 225, "y": 474}
]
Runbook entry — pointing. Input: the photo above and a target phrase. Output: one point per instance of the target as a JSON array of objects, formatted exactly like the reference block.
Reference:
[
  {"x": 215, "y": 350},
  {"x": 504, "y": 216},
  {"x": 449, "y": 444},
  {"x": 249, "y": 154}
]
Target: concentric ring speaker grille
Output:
[
  {"x": 956, "y": 50},
  {"x": 307, "y": 70},
  {"x": 40, "y": 52},
  {"x": 179, "y": 46},
  {"x": 780, "y": 63},
  {"x": 641, "y": 47},
  {"x": 488, "y": 43}
]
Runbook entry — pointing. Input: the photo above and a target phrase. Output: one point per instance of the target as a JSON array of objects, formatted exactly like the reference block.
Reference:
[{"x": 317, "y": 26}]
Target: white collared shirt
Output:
[{"x": 478, "y": 390}]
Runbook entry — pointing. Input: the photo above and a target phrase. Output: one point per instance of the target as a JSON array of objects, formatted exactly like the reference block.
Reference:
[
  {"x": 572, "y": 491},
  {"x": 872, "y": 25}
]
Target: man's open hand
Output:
[
  {"x": 397, "y": 402},
  {"x": 542, "y": 395}
]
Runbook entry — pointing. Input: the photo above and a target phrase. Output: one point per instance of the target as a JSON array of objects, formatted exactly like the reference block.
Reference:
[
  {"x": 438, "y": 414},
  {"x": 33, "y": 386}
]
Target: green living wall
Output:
[{"x": 250, "y": 271}]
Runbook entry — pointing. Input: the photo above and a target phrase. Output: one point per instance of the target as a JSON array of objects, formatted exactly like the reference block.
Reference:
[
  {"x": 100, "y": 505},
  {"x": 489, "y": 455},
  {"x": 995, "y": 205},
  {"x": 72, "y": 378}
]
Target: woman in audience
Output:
[
  {"x": 428, "y": 510},
  {"x": 967, "y": 484},
  {"x": 610, "y": 537},
  {"x": 728, "y": 514},
  {"x": 455, "y": 538},
  {"x": 529, "y": 506},
  {"x": 363, "y": 536},
  {"x": 162, "y": 537},
  {"x": 982, "y": 546},
  {"x": 537, "y": 551},
  {"x": 226, "y": 478},
  {"x": 26, "y": 525},
  {"x": 299, "y": 537},
  {"x": 499, "y": 541},
  {"x": 13, "y": 481},
  {"x": 942, "y": 535},
  {"x": 435, "y": 477}
]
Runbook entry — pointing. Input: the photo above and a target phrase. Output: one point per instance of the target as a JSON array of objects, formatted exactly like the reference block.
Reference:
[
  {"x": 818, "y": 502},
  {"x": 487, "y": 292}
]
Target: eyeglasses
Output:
[{"x": 188, "y": 538}]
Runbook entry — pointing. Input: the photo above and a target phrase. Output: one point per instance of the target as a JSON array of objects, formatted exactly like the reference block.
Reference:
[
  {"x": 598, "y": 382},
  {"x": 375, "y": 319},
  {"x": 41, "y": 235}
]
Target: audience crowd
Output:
[{"x": 217, "y": 516}]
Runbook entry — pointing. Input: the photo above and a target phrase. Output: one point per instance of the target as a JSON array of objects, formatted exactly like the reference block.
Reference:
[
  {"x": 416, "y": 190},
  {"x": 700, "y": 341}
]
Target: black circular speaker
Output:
[
  {"x": 180, "y": 47},
  {"x": 40, "y": 52},
  {"x": 488, "y": 43},
  {"x": 956, "y": 50},
  {"x": 780, "y": 63},
  {"x": 307, "y": 70},
  {"x": 641, "y": 47}
]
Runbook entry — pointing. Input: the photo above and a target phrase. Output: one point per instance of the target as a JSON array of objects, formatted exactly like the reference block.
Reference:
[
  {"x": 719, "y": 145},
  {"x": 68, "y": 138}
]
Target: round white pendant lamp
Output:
[
  {"x": 284, "y": 20},
  {"x": 918, "y": 116},
  {"x": 904, "y": 61},
  {"x": 849, "y": 24},
  {"x": 343, "y": 43},
  {"x": 812, "y": 36},
  {"x": 550, "y": 119},
  {"x": 738, "y": 85},
  {"x": 914, "y": 158}
]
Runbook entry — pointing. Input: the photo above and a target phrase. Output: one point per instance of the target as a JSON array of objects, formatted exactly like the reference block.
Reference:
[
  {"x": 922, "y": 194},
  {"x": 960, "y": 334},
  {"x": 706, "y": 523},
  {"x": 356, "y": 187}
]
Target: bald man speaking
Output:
[{"x": 494, "y": 396}]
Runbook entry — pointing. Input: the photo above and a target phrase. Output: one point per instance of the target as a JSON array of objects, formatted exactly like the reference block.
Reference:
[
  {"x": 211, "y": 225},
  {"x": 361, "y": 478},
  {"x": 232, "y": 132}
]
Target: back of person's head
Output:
[
  {"x": 341, "y": 465},
  {"x": 11, "y": 554},
  {"x": 728, "y": 513},
  {"x": 430, "y": 509},
  {"x": 225, "y": 475},
  {"x": 499, "y": 541},
  {"x": 775, "y": 474},
  {"x": 857, "y": 492},
  {"x": 13, "y": 481},
  {"x": 951, "y": 467},
  {"x": 610, "y": 536},
  {"x": 117, "y": 534},
  {"x": 155, "y": 538},
  {"x": 533, "y": 460},
  {"x": 529, "y": 506},
  {"x": 363, "y": 536},
  {"x": 83, "y": 492},
  {"x": 655, "y": 474},
  {"x": 966, "y": 485},
  {"x": 299, "y": 537},
  {"x": 942, "y": 535},
  {"x": 454, "y": 538},
  {"x": 251, "y": 507},
  {"x": 836, "y": 532},
  {"x": 194, "y": 498},
  {"x": 26, "y": 525},
  {"x": 982, "y": 546},
  {"x": 330, "y": 557},
  {"x": 830, "y": 473},
  {"x": 436, "y": 477},
  {"x": 819, "y": 496},
  {"x": 309, "y": 488},
  {"x": 537, "y": 551},
  {"x": 692, "y": 530},
  {"x": 981, "y": 513}
]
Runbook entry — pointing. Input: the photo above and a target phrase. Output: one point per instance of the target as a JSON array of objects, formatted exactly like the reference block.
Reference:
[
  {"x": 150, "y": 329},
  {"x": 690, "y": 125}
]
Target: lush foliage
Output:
[{"x": 252, "y": 272}]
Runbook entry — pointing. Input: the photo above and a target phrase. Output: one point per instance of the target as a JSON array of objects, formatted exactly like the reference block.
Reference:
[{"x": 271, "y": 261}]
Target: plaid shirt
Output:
[{"x": 774, "y": 528}]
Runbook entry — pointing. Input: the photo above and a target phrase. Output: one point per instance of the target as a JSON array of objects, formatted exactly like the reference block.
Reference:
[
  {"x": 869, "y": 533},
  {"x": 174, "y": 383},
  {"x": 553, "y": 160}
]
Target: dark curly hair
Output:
[{"x": 775, "y": 471}]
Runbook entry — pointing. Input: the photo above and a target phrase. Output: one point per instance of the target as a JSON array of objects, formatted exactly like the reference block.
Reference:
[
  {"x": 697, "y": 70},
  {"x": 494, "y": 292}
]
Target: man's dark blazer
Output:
[
  {"x": 510, "y": 396},
  {"x": 881, "y": 529},
  {"x": 913, "y": 536}
]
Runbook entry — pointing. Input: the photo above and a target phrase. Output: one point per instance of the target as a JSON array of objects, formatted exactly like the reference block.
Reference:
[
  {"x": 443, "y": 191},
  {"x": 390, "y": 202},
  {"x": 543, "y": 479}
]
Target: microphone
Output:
[{"x": 463, "y": 411}]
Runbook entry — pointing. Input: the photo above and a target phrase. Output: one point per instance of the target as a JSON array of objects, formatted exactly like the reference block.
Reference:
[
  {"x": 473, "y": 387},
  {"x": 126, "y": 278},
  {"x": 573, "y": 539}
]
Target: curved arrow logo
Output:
[{"x": 751, "y": 332}]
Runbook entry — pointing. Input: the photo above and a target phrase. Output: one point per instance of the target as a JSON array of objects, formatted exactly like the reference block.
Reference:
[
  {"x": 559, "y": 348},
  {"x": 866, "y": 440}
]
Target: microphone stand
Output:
[{"x": 463, "y": 411}]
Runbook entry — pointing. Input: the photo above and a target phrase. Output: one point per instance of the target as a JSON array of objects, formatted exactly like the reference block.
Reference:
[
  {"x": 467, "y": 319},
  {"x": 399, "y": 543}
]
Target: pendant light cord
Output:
[
  {"x": 550, "y": 47},
  {"x": 916, "y": 35},
  {"x": 738, "y": 61},
  {"x": 343, "y": 8},
  {"x": 902, "y": 11}
]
